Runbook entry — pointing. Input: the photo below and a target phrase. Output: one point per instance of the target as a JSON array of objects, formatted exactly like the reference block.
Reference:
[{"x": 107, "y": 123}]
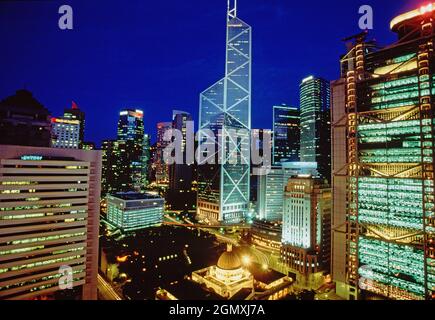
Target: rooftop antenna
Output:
[{"x": 232, "y": 9}]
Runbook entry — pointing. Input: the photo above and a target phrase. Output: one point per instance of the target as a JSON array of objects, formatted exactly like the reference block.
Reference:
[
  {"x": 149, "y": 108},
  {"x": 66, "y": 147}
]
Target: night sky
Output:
[{"x": 159, "y": 55}]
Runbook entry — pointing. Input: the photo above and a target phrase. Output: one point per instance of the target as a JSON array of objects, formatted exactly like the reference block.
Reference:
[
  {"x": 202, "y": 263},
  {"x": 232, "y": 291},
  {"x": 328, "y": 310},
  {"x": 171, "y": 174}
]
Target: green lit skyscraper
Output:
[
  {"x": 315, "y": 124},
  {"x": 225, "y": 107},
  {"x": 383, "y": 133}
]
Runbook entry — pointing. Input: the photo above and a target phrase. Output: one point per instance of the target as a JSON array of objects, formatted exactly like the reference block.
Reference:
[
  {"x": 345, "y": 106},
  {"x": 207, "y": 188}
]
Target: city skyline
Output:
[
  {"x": 339, "y": 205},
  {"x": 123, "y": 73}
]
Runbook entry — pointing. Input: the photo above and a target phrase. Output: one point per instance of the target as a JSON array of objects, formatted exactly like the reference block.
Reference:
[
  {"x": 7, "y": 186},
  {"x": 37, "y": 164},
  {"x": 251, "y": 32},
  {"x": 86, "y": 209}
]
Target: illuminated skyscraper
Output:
[
  {"x": 162, "y": 169},
  {"x": 74, "y": 113},
  {"x": 146, "y": 157},
  {"x": 65, "y": 133},
  {"x": 315, "y": 124},
  {"x": 127, "y": 152},
  {"x": 286, "y": 134},
  {"x": 306, "y": 229},
  {"x": 49, "y": 218},
  {"x": 383, "y": 133},
  {"x": 181, "y": 195},
  {"x": 271, "y": 187},
  {"x": 225, "y": 118}
]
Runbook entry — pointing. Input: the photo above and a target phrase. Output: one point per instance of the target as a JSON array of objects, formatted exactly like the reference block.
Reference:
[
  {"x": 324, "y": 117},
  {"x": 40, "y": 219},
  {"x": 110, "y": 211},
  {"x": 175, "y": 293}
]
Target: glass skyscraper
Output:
[
  {"x": 315, "y": 124},
  {"x": 384, "y": 204},
  {"x": 127, "y": 152},
  {"x": 286, "y": 134},
  {"x": 225, "y": 107}
]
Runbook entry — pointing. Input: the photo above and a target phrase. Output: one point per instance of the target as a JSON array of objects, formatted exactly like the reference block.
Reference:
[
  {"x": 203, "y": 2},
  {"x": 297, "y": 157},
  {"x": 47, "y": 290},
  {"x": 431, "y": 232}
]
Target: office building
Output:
[
  {"x": 162, "y": 169},
  {"x": 126, "y": 152},
  {"x": 384, "y": 225},
  {"x": 146, "y": 159},
  {"x": 131, "y": 211},
  {"x": 225, "y": 111},
  {"x": 286, "y": 134},
  {"x": 181, "y": 195},
  {"x": 266, "y": 234},
  {"x": 65, "y": 133},
  {"x": 306, "y": 228},
  {"x": 315, "y": 143},
  {"x": 262, "y": 140},
  {"x": 49, "y": 219},
  {"x": 24, "y": 121},
  {"x": 74, "y": 113},
  {"x": 271, "y": 186}
]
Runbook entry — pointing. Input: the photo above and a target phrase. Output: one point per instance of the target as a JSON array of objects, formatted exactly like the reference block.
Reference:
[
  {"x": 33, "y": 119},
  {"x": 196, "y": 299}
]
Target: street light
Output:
[{"x": 246, "y": 260}]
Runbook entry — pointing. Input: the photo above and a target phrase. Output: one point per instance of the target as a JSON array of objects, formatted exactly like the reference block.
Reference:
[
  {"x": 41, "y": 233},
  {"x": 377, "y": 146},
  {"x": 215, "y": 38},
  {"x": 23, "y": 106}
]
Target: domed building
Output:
[
  {"x": 229, "y": 279},
  {"x": 226, "y": 278}
]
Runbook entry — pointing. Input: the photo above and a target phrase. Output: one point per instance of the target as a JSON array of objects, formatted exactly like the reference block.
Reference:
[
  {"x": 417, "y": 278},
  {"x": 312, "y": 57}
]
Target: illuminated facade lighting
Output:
[
  {"x": 49, "y": 217},
  {"x": 134, "y": 211},
  {"x": 223, "y": 188},
  {"x": 65, "y": 133},
  {"x": 383, "y": 131},
  {"x": 306, "y": 225}
]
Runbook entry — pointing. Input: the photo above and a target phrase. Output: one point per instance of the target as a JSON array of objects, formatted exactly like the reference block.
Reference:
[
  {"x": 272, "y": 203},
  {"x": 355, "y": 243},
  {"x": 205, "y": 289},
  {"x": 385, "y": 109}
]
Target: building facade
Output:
[
  {"x": 225, "y": 120},
  {"x": 266, "y": 234},
  {"x": 65, "y": 133},
  {"x": 386, "y": 209},
  {"x": 131, "y": 211},
  {"x": 286, "y": 134},
  {"x": 75, "y": 114},
  {"x": 24, "y": 121},
  {"x": 161, "y": 168},
  {"x": 271, "y": 187},
  {"x": 315, "y": 124},
  {"x": 306, "y": 229},
  {"x": 181, "y": 194},
  {"x": 126, "y": 152},
  {"x": 49, "y": 222}
]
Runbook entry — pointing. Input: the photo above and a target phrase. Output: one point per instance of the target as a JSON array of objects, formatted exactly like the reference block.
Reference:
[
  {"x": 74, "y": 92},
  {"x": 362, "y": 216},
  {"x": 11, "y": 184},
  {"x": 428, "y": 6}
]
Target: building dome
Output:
[{"x": 229, "y": 260}]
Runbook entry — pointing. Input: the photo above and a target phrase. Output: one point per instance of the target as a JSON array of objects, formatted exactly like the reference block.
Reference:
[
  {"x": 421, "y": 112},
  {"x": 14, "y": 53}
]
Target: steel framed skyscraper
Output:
[
  {"x": 383, "y": 132},
  {"x": 225, "y": 107}
]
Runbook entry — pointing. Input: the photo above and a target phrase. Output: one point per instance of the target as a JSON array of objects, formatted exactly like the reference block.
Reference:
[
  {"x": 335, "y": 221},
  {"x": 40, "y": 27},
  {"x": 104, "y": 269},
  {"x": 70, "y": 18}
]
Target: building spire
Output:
[{"x": 232, "y": 9}]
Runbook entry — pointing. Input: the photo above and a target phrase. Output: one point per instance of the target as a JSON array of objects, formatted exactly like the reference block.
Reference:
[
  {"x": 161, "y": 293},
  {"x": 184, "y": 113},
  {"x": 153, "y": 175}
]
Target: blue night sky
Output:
[{"x": 159, "y": 55}]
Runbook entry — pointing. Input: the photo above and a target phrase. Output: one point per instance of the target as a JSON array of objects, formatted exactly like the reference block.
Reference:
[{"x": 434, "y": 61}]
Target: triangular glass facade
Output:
[{"x": 225, "y": 110}]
